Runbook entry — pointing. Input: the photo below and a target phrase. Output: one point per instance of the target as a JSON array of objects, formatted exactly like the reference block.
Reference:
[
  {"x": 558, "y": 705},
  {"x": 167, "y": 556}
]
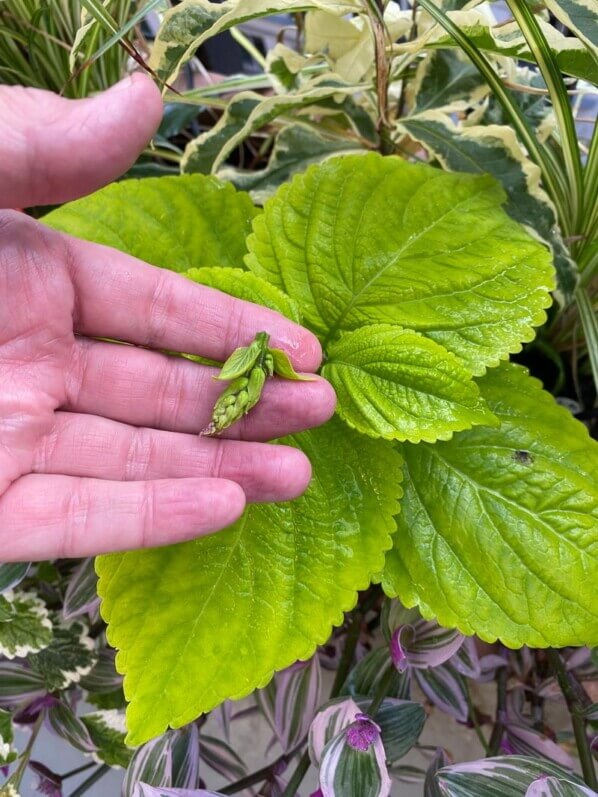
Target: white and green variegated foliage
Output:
[
  {"x": 509, "y": 776},
  {"x": 419, "y": 286}
]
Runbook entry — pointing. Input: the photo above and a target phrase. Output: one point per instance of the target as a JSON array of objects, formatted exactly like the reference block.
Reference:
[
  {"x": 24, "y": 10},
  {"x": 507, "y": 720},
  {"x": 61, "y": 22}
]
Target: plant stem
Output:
[
  {"x": 297, "y": 776},
  {"x": 24, "y": 760},
  {"x": 78, "y": 771},
  {"x": 473, "y": 715},
  {"x": 376, "y": 18},
  {"x": 570, "y": 688},
  {"x": 501, "y": 699},
  {"x": 382, "y": 690},
  {"x": 89, "y": 782}
]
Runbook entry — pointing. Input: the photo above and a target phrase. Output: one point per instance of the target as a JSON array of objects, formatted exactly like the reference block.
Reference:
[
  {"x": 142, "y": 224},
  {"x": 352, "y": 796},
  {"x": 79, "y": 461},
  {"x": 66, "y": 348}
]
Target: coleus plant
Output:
[{"x": 448, "y": 475}]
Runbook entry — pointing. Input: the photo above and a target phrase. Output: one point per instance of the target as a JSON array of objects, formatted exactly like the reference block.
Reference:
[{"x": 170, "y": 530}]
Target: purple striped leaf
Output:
[
  {"x": 365, "y": 678},
  {"x": 65, "y": 723},
  {"x": 445, "y": 688},
  {"x": 546, "y": 786},
  {"x": 81, "y": 596},
  {"x": 440, "y": 760},
  {"x": 423, "y": 644},
  {"x": 151, "y": 765},
  {"x": 466, "y": 660},
  {"x": 103, "y": 678},
  {"x": 185, "y": 757},
  {"x": 328, "y": 722},
  {"x": 266, "y": 700},
  {"x": 297, "y": 698},
  {"x": 401, "y": 722},
  {"x": 19, "y": 684},
  {"x": 503, "y": 776},
  {"x": 489, "y": 665},
  {"x": 219, "y": 756},
  {"x": 354, "y": 762},
  {"x": 529, "y": 742},
  {"x": 405, "y": 773},
  {"x": 145, "y": 790}
]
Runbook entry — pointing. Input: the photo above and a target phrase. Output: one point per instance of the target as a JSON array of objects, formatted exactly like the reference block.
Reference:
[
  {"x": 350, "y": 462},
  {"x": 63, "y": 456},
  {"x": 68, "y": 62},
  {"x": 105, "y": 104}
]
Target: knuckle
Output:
[
  {"x": 160, "y": 305},
  {"x": 147, "y": 514},
  {"x": 139, "y": 455}
]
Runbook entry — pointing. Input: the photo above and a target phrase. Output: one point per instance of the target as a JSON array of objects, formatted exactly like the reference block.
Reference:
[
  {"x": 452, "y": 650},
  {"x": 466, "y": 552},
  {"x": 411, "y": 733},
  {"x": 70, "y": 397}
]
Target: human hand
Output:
[{"x": 98, "y": 441}]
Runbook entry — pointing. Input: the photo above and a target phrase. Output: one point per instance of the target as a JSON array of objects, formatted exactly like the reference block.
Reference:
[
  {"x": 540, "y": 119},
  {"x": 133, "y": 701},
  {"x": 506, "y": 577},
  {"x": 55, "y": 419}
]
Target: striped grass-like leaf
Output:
[
  {"x": 65, "y": 723},
  {"x": 151, "y": 764},
  {"x": 503, "y": 776},
  {"x": 527, "y": 741},
  {"x": 298, "y": 690},
  {"x": 546, "y": 786},
  {"x": 440, "y": 760},
  {"x": 11, "y": 574},
  {"x": 81, "y": 594},
  {"x": 328, "y": 722},
  {"x": 18, "y": 684},
  {"x": 445, "y": 688},
  {"x": 364, "y": 679},
  {"x": 219, "y": 756},
  {"x": 401, "y": 723}
]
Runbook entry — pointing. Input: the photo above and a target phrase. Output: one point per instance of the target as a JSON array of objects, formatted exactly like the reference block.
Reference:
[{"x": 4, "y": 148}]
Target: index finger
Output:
[{"x": 121, "y": 297}]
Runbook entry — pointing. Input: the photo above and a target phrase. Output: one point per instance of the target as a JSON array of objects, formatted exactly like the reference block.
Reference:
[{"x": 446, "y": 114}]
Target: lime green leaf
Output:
[
  {"x": 247, "y": 286},
  {"x": 248, "y": 112},
  {"x": 254, "y": 598},
  {"x": 446, "y": 79},
  {"x": 296, "y": 147},
  {"x": 395, "y": 383},
  {"x": 240, "y": 361},
  {"x": 7, "y": 752},
  {"x": 494, "y": 149},
  {"x": 580, "y": 16},
  {"x": 69, "y": 656},
  {"x": 107, "y": 730},
  {"x": 173, "y": 222},
  {"x": 186, "y": 26},
  {"x": 25, "y": 626},
  {"x": 497, "y": 531},
  {"x": 572, "y": 56},
  {"x": 365, "y": 239},
  {"x": 284, "y": 367}
]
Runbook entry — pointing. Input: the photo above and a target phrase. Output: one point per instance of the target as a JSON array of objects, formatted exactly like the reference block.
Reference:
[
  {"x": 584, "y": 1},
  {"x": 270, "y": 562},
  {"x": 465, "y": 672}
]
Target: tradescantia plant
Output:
[{"x": 448, "y": 475}]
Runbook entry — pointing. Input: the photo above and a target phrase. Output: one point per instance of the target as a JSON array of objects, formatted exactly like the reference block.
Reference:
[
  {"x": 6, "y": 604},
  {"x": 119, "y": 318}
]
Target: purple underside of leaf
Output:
[{"x": 362, "y": 733}]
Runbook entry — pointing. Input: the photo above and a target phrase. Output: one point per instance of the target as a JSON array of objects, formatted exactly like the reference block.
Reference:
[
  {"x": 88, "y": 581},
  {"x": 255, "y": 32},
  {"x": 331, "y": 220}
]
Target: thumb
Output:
[{"x": 53, "y": 149}]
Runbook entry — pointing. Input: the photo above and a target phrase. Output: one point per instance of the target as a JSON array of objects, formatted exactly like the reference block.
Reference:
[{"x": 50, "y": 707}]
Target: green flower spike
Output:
[{"x": 248, "y": 367}]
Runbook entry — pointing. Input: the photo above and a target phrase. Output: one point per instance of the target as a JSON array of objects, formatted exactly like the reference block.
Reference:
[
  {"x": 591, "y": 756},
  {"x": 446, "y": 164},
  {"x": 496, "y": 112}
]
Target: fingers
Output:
[
  {"x": 48, "y": 517},
  {"x": 121, "y": 297},
  {"x": 84, "y": 445},
  {"x": 145, "y": 388},
  {"x": 53, "y": 149}
]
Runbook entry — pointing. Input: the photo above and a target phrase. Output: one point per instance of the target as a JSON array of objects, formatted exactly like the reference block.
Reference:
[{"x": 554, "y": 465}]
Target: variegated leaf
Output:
[
  {"x": 445, "y": 688},
  {"x": 440, "y": 760},
  {"x": 19, "y": 684},
  {"x": 66, "y": 724},
  {"x": 144, "y": 790},
  {"x": 298, "y": 691},
  {"x": 421, "y": 643},
  {"x": 354, "y": 762},
  {"x": 364, "y": 679},
  {"x": 522, "y": 740},
  {"x": 401, "y": 723},
  {"x": 220, "y": 756},
  {"x": 446, "y": 79},
  {"x": 11, "y": 574},
  {"x": 503, "y": 776},
  {"x": 107, "y": 731},
  {"x": 102, "y": 679},
  {"x": 25, "y": 625},
  {"x": 151, "y": 764},
  {"x": 186, "y": 26},
  {"x": 246, "y": 113},
  {"x": 7, "y": 751},
  {"x": 580, "y": 16},
  {"x": 81, "y": 594},
  {"x": 328, "y": 722},
  {"x": 546, "y": 786},
  {"x": 69, "y": 656}
]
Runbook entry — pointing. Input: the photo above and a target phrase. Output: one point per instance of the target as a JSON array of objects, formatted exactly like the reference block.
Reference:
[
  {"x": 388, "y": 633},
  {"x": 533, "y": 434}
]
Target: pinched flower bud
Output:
[
  {"x": 257, "y": 380},
  {"x": 229, "y": 407}
]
